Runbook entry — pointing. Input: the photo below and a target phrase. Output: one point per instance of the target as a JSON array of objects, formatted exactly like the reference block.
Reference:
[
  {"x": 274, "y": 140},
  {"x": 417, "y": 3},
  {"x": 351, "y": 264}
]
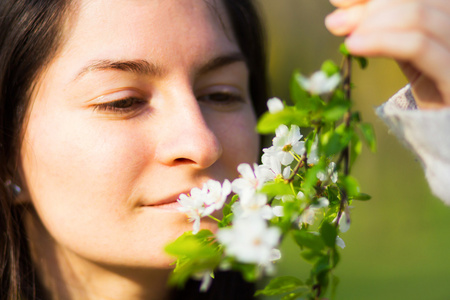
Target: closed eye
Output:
[
  {"x": 221, "y": 98},
  {"x": 122, "y": 106}
]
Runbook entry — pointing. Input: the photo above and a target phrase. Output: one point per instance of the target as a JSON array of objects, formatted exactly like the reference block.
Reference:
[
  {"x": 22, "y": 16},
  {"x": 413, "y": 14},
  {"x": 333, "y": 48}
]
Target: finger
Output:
[
  {"x": 343, "y": 21},
  {"x": 427, "y": 55},
  {"x": 409, "y": 70},
  {"x": 443, "y": 5},
  {"x": 427, "y": 95},
  {"x": 346, "y": 3},
  {"x": 424, "y": 89},
  {"x": 415, "y": 12},
  {"x": 411, "y": 17}
]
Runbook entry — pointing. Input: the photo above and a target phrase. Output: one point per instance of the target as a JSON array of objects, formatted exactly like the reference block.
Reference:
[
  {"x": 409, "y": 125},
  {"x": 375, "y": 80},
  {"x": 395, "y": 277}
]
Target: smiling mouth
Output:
[
  {"x": 169, "y": 203},
  {"x": 173, "y": 205}
]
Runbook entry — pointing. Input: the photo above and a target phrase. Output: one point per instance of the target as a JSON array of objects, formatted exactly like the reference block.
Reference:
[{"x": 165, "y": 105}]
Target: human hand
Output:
[{"x": 416, "y": 33}]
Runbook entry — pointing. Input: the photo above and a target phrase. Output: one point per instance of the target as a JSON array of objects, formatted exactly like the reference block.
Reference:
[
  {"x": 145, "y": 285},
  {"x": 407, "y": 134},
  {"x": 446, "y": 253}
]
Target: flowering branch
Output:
[{"x": 300, "y": 191}]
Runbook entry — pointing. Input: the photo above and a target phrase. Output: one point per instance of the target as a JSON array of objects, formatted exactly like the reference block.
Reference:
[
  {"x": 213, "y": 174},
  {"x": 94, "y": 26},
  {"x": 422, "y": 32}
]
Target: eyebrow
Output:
[{"x": 145, "y": 67}]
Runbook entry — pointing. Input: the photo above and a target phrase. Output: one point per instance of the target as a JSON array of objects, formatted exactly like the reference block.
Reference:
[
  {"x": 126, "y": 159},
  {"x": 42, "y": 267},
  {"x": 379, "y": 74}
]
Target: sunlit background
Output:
[{"x": 398, "y": 246}]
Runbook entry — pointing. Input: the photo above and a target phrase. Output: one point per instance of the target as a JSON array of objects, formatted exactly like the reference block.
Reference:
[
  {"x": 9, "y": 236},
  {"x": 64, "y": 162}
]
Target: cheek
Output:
[
  {"x": 70, "y": 167},
  {"x": 239, "y": 140}
]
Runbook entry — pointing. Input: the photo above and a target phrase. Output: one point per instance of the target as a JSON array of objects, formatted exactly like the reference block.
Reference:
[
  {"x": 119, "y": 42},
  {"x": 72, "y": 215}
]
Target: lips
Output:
[
  {"x": 174, "y": 205},
  {"x": 169, "y": 203}
]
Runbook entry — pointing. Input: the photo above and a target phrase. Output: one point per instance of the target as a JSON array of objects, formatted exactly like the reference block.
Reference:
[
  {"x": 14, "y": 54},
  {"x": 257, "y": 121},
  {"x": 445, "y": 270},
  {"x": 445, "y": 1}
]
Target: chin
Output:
[{"x": 154, "y": 256}]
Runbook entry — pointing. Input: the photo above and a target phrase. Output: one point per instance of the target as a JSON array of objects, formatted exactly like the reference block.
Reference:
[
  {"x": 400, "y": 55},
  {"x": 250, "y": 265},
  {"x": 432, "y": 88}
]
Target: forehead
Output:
[{"x": 141, "y": 29}]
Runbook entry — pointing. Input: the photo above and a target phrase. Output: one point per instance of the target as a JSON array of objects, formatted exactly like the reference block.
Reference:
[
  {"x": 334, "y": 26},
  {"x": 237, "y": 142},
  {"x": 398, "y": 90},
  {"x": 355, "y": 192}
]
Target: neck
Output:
[{"x": 67, "y": 276}]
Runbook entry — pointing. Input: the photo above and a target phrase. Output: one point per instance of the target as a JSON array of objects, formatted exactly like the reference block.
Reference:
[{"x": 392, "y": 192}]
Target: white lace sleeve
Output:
[{"x": 426, "y": 133}]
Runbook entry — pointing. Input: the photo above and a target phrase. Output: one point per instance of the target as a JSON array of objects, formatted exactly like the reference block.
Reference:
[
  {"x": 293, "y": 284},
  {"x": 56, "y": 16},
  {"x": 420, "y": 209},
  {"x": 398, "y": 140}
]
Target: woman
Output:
[{"x": 110, "y": 110}]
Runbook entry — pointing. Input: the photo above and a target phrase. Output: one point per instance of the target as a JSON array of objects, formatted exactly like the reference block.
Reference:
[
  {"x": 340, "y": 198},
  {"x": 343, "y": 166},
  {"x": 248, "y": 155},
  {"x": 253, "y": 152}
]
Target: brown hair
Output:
[{"x": 29, "y": 35}]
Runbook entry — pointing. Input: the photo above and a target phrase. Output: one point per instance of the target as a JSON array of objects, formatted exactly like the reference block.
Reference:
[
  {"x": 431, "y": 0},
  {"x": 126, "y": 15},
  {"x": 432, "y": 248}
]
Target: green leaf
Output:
[
  {"x": 298, "y": 95},
  {"x": 328, "y": 233},
  {"x": 351, "y": 186},
  {"x": 315, "y": 104},
  {"x": 369, "y": 135},
  {"x": 355, "y": 117},
  {"x": 226, "y": 221},
  {"x": 322, "y": 265},
  {"x": 332, "y": 213},
  {"x": 335, "y": 257},
  {"x": 293, "y": 296},
  {"x": 290, "y": 209},
  {"x": 343, "y": 49},
  {"x": 276, "y": 188},
  {"x": 332, "y": 195},
  {"x": 281, "y": 285},
  {"x": 311, "y": 177},
  {"x": 336, "y": 109},
  {"x": 190, "y": 245},
  {"x": 335, "y": 142},
  {"x": 196, "y": 253},
  {"x": 269, "y": 122},
  {"x": 311, "y": 256},
  {"x": 362, "y": 197},
  {"x": 362, "y": 61},
  {"x": 227, "y": 207},
  {"x": 355, "y": 148},
  {"x": 188, "y": 267},
  {"x": 309, "y": 140},
  {"x": 308, "y": 239},
  {"x": 330, "y": 68}
]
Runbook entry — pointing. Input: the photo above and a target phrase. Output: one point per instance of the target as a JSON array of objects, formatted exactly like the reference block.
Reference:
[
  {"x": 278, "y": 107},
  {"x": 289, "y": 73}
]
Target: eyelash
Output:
[
  {"x": 130, "y": 104},
  {"x": 124, "y": 105},
  {"x": 224, "y": 98}
]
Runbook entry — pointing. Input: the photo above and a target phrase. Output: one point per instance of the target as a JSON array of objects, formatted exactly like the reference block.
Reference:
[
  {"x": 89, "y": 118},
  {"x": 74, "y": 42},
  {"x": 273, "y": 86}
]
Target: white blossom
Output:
[
  {"x": 251, "y": 180},
  {"x": 344, "y": 222},
  {"x": 203, "y": 202},
  {"x": 313, "y": 156},
  {"x": 275, "y": 105},
  {"x": 320, "y": 83},
  {"x": 308, "y": 215},
  {"x": 287, "y": 141},
  {"x": 270, "y": 160},
  {"x": 331, "y": 173},
  {"x": 250, "y": 240},
  {"x": 253, "y": 204},
  {"x": 278, "y": 211},
  {"x": 217, "y": 193},
  {"x": 340, "y": 242},
  {"x": 322, "y": 176},
  {"x": 285, "y": 198},
  {"x": 194, "y": 206}
]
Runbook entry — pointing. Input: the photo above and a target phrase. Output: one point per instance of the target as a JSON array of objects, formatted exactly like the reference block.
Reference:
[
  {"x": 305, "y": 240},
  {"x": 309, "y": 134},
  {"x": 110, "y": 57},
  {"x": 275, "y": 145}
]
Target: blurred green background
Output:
[{"x": 398, "y": 246}]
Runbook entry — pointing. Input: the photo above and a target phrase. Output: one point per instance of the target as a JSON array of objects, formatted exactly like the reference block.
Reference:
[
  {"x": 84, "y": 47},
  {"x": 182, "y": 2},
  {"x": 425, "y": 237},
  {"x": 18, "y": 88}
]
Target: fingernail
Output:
[{"x": 337, "y": 19}]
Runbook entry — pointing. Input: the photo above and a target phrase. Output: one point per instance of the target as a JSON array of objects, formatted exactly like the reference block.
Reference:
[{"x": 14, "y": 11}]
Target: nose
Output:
[{"x": 187, "y": 138}]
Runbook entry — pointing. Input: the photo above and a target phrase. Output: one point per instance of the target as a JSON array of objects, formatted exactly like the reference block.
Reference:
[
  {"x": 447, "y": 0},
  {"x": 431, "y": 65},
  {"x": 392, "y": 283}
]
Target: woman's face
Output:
[{"x": 145, "y": 100}]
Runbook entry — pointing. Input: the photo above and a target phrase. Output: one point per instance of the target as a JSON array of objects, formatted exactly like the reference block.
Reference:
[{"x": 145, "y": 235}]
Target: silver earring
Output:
[{"x": 14, "y": 188}]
